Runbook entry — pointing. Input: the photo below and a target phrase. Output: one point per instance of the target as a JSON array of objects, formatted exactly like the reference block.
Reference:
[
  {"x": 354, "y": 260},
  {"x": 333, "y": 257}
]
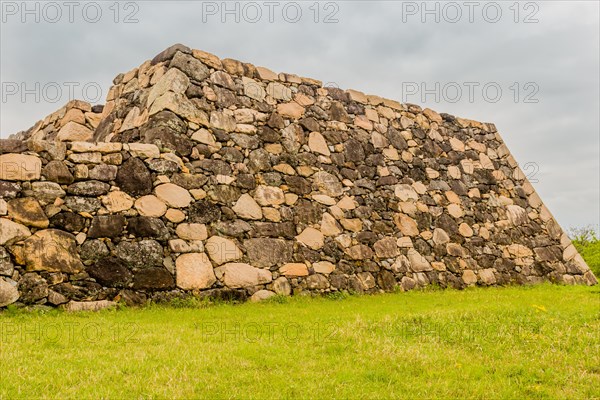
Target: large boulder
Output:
[
  {"x": 153, "y": 278},
  {"x": 266, "y": 252},
  {"x": 107, "y": 226},
  {"x": 33, "y": 288},
  {"x": 11, "y": 232},
  {"x": 8, "y": 293},
  {"x": 51, "y": 250},
  {"x": 142, "y": 254},
  {"x": 194, "y": 271},
  {"x": 240, "y": 275},
  {"x": 110, "y": 272},
  {"x": 20, "y": 167},
  {"x": 134, "y": 178},
  {"x": 28, "y": 212}
]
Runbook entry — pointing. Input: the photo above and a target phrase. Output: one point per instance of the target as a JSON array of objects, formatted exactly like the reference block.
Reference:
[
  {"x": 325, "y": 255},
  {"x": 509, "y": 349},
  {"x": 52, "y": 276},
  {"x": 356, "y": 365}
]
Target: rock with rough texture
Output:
[
  {"x": 76, "y": 306},
  {"x": 28, "y": 211},
  {"x": 173, "y": 195},
  {"x": 418, "y": 263},
  {"x": 239, "y": 275},
  {"x": 134, "y": 178},
  {"x": 294, "y": 269},
  {"x": 8, "y": 293},
  {"x": 57, "y": 171},
  {"x": 266, "y": 252},
  {"x": 282, "y": 287},
  {"x": 148, "y": 227},
  {"x": 20, "y": 167},
  {"x": 11, "y": 232},
  {"x": 222, "y": 250},
  {"x": 117, "y": 201},
  {"x": 386, "y": 248},
  {"x": 173, "y": 80},
  {"x": 194, "y": 271},
  {"x": 150, "y": 206},
  {"x": 406, "y": 225},
  {"x": 269, "y": 196},
  {"x": 142, "y": 254},
  {"x": 6, "y": 265},
  {"x": 312, "y": 238},
  {"x": 262, "y": 295},
  {"x": 246, "y": 207},
  {"x": 190, "y": 66},
  {"x": 74, "y": 132},
  {"x": 153, "y": 278},
  {"x": 317, "y": 144},
  {"x": 107, "y": 226},
  {"x": 192, "y": 231},
  {"x": 88, "y": 188},
  {"x": 110, "y": 272},
  {"x": 51, "y": 250},
  {"x": 32, "y": 288},
  {"x": 327, "y": 184}
]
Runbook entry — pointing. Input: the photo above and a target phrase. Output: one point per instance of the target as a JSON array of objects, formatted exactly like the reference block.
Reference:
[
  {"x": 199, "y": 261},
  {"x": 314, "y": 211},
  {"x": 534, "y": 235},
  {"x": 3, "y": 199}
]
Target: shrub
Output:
[{"x": 587, "y": 242}]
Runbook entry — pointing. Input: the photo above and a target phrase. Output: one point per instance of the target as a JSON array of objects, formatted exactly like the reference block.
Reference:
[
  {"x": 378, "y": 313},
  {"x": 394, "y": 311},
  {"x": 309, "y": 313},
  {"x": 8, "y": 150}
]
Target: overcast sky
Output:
[{"x": 532, "y": 68}]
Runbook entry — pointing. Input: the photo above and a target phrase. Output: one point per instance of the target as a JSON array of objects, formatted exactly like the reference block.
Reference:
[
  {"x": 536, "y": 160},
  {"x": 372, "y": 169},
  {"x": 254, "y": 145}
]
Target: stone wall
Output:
[{"x": 219, "y": 178}]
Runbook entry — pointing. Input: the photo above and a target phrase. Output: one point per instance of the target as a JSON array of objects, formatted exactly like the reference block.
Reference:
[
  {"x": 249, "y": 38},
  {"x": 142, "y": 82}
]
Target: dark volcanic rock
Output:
[
  {"x": 148, "y": 227},
  {"x": 266, "y": 252},
  {"x": 134, "y": 178},
  {"x": 204, "y": 212},
  {"x": 153, "y": 278},
  {"x": 108, "y": 226},
  {"x": 110, "y": 272}
]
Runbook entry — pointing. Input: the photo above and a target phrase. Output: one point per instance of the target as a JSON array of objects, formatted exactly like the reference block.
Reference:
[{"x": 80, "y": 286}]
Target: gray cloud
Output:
[{"x": 371, "y": 49}]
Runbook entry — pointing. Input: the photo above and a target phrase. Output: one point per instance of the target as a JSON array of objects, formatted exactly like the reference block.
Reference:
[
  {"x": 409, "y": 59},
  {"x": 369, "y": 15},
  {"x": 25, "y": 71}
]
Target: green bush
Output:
[{"x": 587, "y": 242}]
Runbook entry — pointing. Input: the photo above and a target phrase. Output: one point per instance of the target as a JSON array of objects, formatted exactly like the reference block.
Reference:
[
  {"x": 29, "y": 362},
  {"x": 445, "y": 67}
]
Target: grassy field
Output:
[{"x": 512, "y": 343}]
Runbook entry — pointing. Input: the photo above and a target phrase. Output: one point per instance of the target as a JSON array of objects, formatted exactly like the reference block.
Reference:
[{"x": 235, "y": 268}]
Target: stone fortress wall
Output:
[{"x": 218, "y": 178}]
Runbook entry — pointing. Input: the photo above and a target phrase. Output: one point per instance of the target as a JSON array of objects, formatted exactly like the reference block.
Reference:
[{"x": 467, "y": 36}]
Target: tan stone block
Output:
[
  {"x": 312, "y": 238},
  {"x": 222, "y": 250},
  {"x": 432, "y": 115},
  {"x": 469, "y": 277},
  {"x": 271, "y": 214},
  {"x": 455, "y": 210},
  {"x": 406, "y": 224},
  {"x": 241, "y": 275},
  {"x": 207, "y": 58},
  {"x": 246, "y": 207},
  {"x": 323, "y": 267},
  {"x": 363, "y": 122},
  {"x": 294, "y": 269},
  {"x": 317, "y": 144},
  {"x": 269, "y": 195},
  {"x": 291, "y": 110},
  {"x": 117, "y": 201},
  {"x": 324, "y": 199},
  {"x": 352, "y": 224},
  {"x": 194, "y": 271},
  {"x": 173, "y": 195},
  {"x": 20, "y": 167},
  {"x": 191, "y": 231},
  {"x": 266, "y": 74},
  {"x": 150, "y": 206},
  {"x": 174, "y": 215}
]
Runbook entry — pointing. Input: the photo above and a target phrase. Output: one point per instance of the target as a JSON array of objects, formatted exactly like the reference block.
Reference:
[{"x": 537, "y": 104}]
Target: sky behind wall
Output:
[{"x": 532, "y": 68}]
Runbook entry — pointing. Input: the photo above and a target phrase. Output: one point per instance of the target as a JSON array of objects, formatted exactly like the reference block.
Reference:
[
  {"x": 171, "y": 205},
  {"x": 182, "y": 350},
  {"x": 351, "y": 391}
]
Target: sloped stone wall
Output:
[{"x": 219, "y": 178}]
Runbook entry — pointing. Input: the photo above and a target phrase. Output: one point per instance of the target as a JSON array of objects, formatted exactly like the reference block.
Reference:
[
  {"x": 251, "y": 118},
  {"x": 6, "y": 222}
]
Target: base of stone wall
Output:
[{"x": 181, "y": 298}]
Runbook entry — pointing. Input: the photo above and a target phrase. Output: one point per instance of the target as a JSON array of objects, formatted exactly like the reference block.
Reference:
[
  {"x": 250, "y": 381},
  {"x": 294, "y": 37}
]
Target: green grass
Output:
[{"x": 513, "y": 343}]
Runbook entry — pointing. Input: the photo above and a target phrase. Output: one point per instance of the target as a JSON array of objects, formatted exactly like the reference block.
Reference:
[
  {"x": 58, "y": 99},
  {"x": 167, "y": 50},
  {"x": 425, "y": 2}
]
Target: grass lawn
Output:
[{"x": 513, "y": 343}]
